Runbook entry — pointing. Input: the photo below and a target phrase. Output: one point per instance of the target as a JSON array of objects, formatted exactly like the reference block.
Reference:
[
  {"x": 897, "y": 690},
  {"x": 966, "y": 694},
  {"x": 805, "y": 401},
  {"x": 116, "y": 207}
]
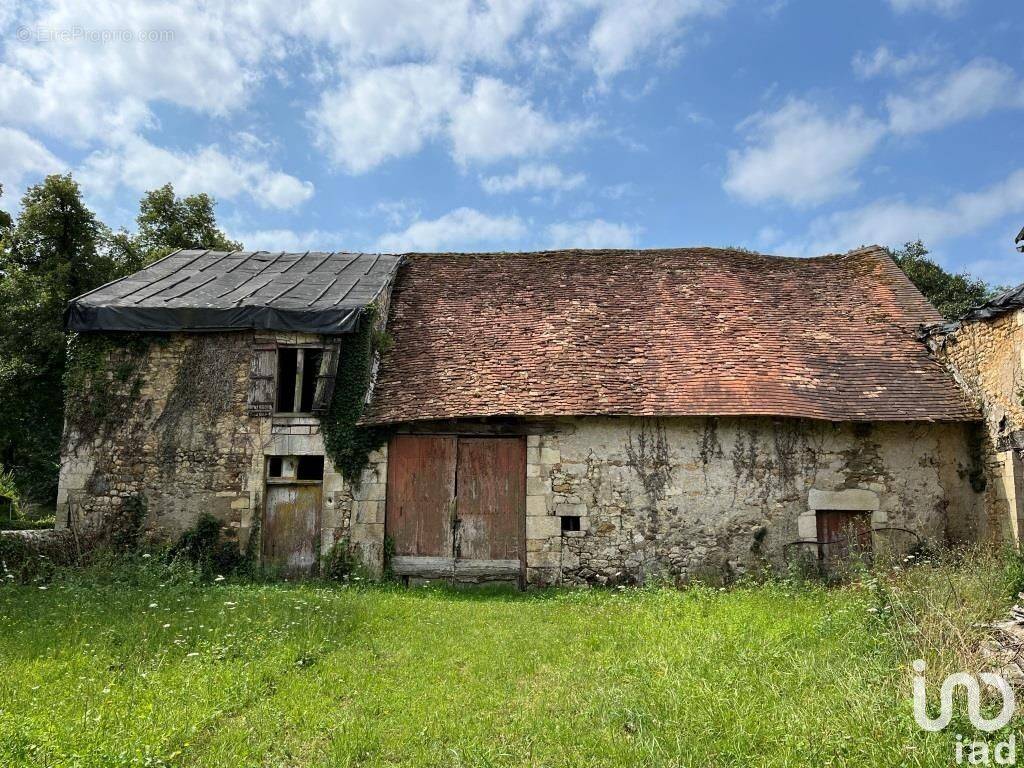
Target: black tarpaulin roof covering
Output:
[{"x": 313, "y": 292}]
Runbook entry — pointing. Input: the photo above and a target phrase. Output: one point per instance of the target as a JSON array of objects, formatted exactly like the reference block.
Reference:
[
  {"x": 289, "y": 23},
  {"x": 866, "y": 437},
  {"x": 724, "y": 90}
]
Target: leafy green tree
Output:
[
  {"x": 55, "y": 251},
  {"x": 167, "y": 222},
  {"x": 5, "y": 217},
  {"x": 951, "y": 294}
]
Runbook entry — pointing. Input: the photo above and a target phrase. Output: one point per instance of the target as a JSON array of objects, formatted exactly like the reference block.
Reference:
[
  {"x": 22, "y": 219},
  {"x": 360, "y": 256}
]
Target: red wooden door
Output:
[
  {"x": 491, "y": 483},
  {"x": 842, "y": 533},
  {"x": 456, "y": 506},
  {"x": 420, "y": 492}
]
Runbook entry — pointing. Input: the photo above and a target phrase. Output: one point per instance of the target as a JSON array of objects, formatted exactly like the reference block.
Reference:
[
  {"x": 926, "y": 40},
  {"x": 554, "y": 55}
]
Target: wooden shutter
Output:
[
  {"x": 325, "y": 378},
  {"x": 262, "y": 374}
]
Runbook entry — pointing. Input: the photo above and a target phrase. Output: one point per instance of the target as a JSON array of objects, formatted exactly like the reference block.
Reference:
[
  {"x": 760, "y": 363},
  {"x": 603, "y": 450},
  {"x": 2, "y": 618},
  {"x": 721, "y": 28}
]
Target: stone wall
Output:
[
  {"x": 674, "y": 498},
  {"x": 187, "y": 445},
  {"x": 713, "y": 498},
  {"x": 987, "y": 359}
]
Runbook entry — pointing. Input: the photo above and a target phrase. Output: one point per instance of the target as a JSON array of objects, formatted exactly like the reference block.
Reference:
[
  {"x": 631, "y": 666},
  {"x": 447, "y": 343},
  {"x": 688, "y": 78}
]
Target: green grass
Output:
[{"x": 101, "y": 674}]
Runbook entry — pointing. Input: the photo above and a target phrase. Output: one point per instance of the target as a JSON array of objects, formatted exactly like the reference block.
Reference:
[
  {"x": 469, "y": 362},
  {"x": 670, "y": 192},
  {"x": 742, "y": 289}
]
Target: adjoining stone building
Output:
[
  {"x": 557, "y": 417},
  {"x": 985, "y": 351}
]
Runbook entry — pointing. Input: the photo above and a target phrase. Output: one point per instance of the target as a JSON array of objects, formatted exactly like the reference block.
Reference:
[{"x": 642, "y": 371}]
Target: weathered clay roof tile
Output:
[{"x": 679, "y": 332}]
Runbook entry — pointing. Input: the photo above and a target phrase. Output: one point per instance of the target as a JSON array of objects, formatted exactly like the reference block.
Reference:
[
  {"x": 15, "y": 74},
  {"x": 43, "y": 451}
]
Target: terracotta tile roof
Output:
[{"x": 694, "y": 331}]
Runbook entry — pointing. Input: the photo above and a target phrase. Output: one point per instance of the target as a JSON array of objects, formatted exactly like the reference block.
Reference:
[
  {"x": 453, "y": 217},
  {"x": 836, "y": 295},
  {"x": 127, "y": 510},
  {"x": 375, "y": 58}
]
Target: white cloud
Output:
[
  {"x": 391, "y": 112},
  {"x": 463, "y": 228},
  {"x": 139, "y": 165},
  {"x": 882, "y": 61},
  {"x": 66, "y": 83},
  {"x": 972, "y": 91},
  {"x": 944, "y": 7},
  {"x": 593, "y": 233},
  {"x": 624, "y": 30},
  {"x": 385, "y": 113},
  {"x": 290, "y": 240},
  {"x": 22, "y": 156},
  {"x": 895, "y": 221},
  {"x": 497, "y": 121},
  {"x": 801, "y": 156},
  {"x": 533, "y": 177},
  {"x": 369, "y": 32}
]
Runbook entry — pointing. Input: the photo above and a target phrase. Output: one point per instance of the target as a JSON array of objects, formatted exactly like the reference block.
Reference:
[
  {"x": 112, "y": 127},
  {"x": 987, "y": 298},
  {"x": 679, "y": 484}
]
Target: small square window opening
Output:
[{"x": 570, "y": 523}]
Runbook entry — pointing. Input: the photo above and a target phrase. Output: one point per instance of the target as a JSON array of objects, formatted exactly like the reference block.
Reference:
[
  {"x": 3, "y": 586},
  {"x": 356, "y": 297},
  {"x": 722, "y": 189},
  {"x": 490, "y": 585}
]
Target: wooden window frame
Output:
[{"x": 300, "y": 374}]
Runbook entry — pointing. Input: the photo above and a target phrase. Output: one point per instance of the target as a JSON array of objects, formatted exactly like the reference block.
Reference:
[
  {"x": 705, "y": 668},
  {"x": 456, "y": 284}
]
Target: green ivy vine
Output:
[
  {"x": 103, "y": 377},
  {"x": 348, "y": 442}
]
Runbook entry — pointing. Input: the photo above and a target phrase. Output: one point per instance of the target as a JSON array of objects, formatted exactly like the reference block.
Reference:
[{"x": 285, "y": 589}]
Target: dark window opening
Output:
[
  {"x": 310, "y": 369},
  {"x": 274, "y": 466},
  {"x": 310, "y": 468},
  {"x": 297, "y": 371},
  {"x": 287, "y": 364},
  {"x": 570, "y": 523}
]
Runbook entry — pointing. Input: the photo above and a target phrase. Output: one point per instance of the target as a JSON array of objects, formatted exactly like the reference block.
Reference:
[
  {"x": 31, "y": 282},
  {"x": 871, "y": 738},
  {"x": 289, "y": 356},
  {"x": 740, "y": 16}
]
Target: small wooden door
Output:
[
  {"x": 291, "y": 527},
  {"x": 456, "y": 507},
  {"x": 842, "y": 533}
]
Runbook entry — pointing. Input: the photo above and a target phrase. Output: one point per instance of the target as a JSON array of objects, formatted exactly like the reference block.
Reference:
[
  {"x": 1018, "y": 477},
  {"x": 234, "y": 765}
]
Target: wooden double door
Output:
[{"x": 456, "y": 507}]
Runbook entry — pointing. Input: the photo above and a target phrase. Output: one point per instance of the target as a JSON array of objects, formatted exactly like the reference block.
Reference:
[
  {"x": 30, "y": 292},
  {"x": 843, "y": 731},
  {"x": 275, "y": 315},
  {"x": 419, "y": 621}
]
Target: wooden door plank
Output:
[
  {"x": 420, "y": 491},
  {"x": 291, "y": 528},
  {"x": 490, "y": 498}
]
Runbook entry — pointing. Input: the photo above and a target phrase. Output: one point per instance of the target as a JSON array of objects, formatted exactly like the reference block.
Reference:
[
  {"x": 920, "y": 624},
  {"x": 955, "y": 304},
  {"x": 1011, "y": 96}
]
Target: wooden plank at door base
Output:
[{"x": 460, "y": 570}]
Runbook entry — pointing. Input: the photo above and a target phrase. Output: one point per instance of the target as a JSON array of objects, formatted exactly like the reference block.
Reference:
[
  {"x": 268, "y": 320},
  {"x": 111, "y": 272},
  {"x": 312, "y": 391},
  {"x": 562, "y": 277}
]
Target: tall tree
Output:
[
  {"x": 951, "y": 293},
  {"x": 55, "y": 251},
  {"x": 5, "y": 217},
  {"x": 167, "y": 222}
]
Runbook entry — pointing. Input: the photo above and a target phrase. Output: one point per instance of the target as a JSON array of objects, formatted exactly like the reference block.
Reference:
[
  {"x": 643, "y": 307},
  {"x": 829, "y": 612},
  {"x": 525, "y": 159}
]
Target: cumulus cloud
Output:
[
  {"x": 461, "y": 229},
  {"x": 385, "y": 113},
  {"x": 624, "y": 30},
  {"x": 800, "y": 155},
  {"x": 23, "y": 157},
  {"x": 291, "y": 240},
  {"x": 497, "y": 121},
  {"x": 592, "y": 233},
  {"x": 972, "y": 91},
  {"x": 138, "y": 165},
  {"x": 895, "y": 221},
  {"x": 883, "y": 62},
  {"x": 392, "y": 111},
  {"x": 944, "y": 7},
  {"x": 533, "y": 177},
  {"x": 186, "y": 54}
]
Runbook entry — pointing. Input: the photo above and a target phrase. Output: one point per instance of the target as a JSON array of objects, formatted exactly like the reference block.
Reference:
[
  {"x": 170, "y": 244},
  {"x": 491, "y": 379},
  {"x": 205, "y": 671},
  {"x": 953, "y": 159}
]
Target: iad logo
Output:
[
  {"x": 974, "y": 752},
  {"x": 970, "y": 684}
]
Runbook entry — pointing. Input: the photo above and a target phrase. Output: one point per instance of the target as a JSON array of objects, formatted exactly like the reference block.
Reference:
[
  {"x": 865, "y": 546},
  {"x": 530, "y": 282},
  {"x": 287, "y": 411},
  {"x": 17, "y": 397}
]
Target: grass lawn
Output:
[{"x": 99, "y": 674}]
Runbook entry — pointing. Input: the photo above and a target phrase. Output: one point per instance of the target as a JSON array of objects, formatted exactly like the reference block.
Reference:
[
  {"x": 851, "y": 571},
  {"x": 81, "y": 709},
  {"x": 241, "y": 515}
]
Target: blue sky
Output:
[{"x": 796, "y": 127}]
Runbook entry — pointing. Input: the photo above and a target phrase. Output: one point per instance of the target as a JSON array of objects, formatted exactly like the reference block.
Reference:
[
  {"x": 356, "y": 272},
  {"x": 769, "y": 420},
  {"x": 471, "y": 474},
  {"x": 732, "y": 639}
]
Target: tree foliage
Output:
[
  {"x": 52, "y": 253},
  {"x": 167, "y": 222},
  {"x": 951, "y": 294},
  {"x": 56, "y": 250}
]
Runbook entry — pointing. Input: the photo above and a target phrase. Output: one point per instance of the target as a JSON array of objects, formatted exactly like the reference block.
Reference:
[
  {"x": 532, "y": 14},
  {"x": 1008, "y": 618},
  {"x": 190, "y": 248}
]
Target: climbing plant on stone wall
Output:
[
  {"x": 104, "y": 376},
  {"x": 348, "y": 442}
]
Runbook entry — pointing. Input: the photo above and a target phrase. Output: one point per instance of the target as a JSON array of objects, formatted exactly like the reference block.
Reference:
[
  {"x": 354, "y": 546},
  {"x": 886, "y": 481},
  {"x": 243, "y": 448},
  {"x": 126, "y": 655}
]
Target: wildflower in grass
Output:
[
  {"x": 152, "y": 605},
  {"x": 167, "y": 626},
  {"x": 219, "y": 578}
]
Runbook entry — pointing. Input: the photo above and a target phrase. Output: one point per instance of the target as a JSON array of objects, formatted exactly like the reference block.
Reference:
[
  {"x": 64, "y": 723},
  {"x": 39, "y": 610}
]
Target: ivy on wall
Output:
[
  {"x": 348, "y": 442},
  {"x": 102, "y": 379}
]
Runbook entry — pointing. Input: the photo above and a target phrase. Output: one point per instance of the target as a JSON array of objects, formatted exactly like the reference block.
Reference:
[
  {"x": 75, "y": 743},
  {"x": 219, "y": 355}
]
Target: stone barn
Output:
[{"x": 557, "y": 417}]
